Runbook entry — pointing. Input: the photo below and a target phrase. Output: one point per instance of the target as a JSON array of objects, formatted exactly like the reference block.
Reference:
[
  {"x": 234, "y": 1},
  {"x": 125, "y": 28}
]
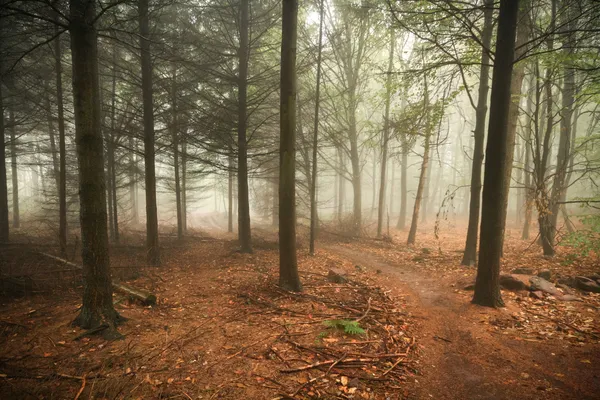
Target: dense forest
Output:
[{"x": 184, "y": 174}]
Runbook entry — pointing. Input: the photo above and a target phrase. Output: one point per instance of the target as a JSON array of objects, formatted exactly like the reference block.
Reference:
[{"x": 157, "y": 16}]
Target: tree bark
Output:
[
  {"x": 313, "y": 189},
  {"x": 175, "y": 145},
  {"x": 149, "y": 151},
  {"x": 16, "y": 217},
  {"x": 230, "y": 191},
  {"x": 528, "y": 138},
  {"x": 412, "y": 233},
  {"x": 523, "y": 33},
  {"x": 288, "y": 264},
  {"x": 244, "y": 232},
  {"x": 403, "y": 184},
  {"x": 4, "y": 224},
  {"x": 386, "y": 134},
  {"x": 487, "y": 284},
  {"x": 97, "y": 308},
  {"x": 62, "y": 156},
  {"x": 470, "y": 254},
  {"x": 112, "y": 139}
]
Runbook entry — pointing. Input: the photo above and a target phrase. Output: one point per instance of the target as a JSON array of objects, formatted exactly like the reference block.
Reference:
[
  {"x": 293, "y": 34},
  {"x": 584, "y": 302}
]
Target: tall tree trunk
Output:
[
  {"x": 313, "y": 189},
  {"x": 341, "y": 186},
  {"x": 62, "y": 178},
  {"x": 426, "y": 183},
  {"x": 355, "y": 162},
  {"x": 4, "y": 224},
  {"x": 149, "y": 151},
  {"x": 386, "y": 134},
  {"x": 133, "y": 180},
  {"x": 563, "y": 156},
  {"x": 184, "y": 179},
  {"x": 16, "y": 220},
  {"x": 529, "y": 196},
  {"x": 487, "y": 285},
  {"x": 288, "y": 265},
  {"x": 244, "y": 232},
  {"x": 412, "y": 233},
  {"x": 518, "y": 74},
  {"x": 175, "y": 145},
  {"x": 97, "y": 308},
  {"x": 230, "y": 191},
  {"x": 112, "y": 177},
  {"x": 403, "y": 184},
  {"x": 52, "y": 135},
  {"x": 470, "y": 254}
]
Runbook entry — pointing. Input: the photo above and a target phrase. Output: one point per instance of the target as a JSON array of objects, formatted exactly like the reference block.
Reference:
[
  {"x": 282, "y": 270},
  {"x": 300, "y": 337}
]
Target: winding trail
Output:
[{"x": 460, "y": 358}]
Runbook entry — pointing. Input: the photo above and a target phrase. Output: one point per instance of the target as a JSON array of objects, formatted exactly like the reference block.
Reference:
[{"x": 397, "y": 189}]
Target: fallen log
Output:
[{"x": 143, "y": 296}]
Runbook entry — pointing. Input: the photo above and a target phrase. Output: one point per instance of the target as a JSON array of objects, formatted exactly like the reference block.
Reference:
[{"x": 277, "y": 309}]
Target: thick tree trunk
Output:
[
  {"x": 149, "y": 151},
  {"x": 16, "y": 216},
  {"x": 244, "y": 232},
  {"x": 313, "y": 189},
  {"x": 470, "y": 254},
  {"x": 288, "y": 265},
  {"x": 487, "y": 285},
  {"x": 386, "y": 134},
  {"x": 4, "y": 224},
  {"x": 97, "y": 308}
]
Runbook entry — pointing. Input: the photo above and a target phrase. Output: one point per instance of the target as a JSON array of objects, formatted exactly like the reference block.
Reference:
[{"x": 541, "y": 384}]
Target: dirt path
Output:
[{"x": 462, "y": 359}]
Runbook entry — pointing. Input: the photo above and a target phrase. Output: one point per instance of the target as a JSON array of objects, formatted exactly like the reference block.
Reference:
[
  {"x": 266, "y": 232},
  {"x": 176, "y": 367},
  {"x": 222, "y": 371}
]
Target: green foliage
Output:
[
  {"x": 587, "y": 240},
  {"x": 349, "y": 327}
]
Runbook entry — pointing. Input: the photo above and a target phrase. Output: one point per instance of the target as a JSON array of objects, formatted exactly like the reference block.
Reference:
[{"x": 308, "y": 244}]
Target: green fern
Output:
[{"x": 349, "y": 327}]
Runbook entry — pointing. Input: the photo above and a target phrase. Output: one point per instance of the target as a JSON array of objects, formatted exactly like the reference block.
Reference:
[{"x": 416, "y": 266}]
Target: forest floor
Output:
[{"x": 222, "y": 329}]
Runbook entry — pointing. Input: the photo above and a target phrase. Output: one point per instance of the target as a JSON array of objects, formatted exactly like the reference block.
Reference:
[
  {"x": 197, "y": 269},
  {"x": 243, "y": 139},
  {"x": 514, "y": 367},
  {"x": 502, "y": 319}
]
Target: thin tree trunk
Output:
[
  {"x": 62, "y": 191},
  {"x": 523, "y": 33},
  {"x": 52, "y": 136},
  {"x": 97, "y": 308},
  {"x": 133, "y": 180},
  {"x": 470, "y": 254},
  {"x": 244, "y": 232},
  {"x": 149, "y": 151},
  {"x": 184, "y": 179},
  {"x": 16, "y": 222},
  {"x": 4, "y": 224},
  {"x": 528, "y": 138},
  {"x": 230, "y": 192},
  {"x": 412, "y": 233},
  {"x": 288, "y": 265},
  {"x": 386, "y": 134},
  {"x": 487, "y": 284},
  {"x": 313, "y": 190},
  {"x": 403, "y": 184},
  {"x": 341, "y": 187},
  {"x": 563, "y": 156},
  {"x": 175, "y": 141},
  {"x": 112, "y": 178}
]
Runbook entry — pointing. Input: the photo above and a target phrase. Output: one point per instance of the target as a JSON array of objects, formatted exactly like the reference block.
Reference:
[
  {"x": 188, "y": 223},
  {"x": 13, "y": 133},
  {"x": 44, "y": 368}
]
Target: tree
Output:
[
  {"x": 386, "y": 134},
  {"x": 470, "y": 252},
  {"x": 487, "y": 286},
  {"x": 4, "y": 224},
  {"x": 313, "y": 188},
  {"x": 149, "y": 150},
  {"x": 288, "y": 264},
  {"x": 244, "y": 232},
  {"x": 97, "y": 309}
]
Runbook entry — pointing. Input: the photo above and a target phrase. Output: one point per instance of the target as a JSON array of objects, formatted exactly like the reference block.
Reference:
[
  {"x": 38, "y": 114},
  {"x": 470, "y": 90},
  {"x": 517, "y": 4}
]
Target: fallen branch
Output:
[
  {"x": 143, "y": 296},
  {"x": 323, "y": 363}
]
